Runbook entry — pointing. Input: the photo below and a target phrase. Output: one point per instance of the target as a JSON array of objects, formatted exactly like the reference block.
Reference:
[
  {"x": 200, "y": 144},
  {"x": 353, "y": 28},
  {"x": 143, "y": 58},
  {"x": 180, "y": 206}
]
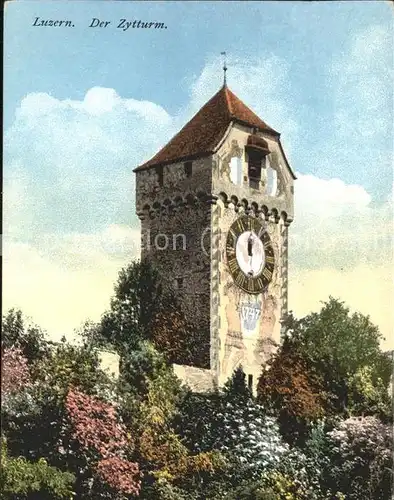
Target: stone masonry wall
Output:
[{"x": 175, "y": 221}]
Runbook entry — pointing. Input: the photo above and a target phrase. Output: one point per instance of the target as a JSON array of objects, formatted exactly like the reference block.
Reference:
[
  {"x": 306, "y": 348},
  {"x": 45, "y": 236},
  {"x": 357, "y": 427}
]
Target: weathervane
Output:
[{"x": 224, "y": 66}]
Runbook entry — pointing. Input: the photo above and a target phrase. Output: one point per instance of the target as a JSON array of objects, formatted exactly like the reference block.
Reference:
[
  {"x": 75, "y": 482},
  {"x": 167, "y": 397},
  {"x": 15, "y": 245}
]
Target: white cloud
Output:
[
  {"x": 341, "y": 245},
  {"x": 37, "y": 104},
  {"x": 336, "y": 224},
  {"x": 99, "y": 100},
  {"x": 73, "y": 160}
]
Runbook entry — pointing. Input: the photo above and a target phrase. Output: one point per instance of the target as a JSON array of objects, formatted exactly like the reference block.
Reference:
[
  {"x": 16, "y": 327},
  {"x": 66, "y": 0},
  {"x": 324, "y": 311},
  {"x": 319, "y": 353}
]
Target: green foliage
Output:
[
  {"x": 142, "y": 365},
  {"x": 138, "y": 298},
  {"x": 201, "y": 415},
  {"x": 368, "y": 394},
  {"x": 165, "y": 490},
  {"x": 224, "y": 445},
  {"x": 20, "y": 479},
  {"x": 30, "y": 339},
  {"x": 349, "y": 341},
  {"x": 236, "y": 388},
  {"x": 252, "y": 490},
  {"x": 233, "y": 423},
  {"x": 73, "y": 365},
  {"x": 338, "y": 345},
  {"x": 159, "y": 445},
  {"x": 145, "y": 308},
  {"x": 199, "y": 420}
]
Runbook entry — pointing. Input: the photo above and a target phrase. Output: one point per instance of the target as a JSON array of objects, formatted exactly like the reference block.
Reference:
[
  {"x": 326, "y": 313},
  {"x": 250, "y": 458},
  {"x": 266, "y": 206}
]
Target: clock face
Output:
[{"x": 250, "y": 255}]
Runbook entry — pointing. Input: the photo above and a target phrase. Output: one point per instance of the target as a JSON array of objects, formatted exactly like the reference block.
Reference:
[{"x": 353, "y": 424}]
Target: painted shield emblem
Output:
[{"x": 250, "y": 314}]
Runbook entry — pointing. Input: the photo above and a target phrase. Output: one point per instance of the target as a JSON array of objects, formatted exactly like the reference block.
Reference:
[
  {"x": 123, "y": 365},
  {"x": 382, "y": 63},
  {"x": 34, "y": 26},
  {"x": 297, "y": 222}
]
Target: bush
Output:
[
  {"x": 361, "y": 458},
  {"x": 20, "y": 479}
]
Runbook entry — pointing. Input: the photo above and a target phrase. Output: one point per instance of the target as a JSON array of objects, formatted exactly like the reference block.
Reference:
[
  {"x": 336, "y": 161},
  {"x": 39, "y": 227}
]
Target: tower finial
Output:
[{"x": 224, "y": 68}]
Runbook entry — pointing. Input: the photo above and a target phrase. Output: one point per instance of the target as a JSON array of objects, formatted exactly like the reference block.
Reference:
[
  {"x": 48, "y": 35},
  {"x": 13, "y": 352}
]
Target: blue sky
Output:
[{"x": 84, "y": 106}]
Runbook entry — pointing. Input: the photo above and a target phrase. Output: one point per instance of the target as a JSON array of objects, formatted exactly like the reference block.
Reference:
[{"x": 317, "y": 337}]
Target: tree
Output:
[
  {"x": 15, "y": 371},
  {"x": 292, "y": 390},
  {"x": 69, "y": 365},
  {"x": 139, "y": 296},
  {"x": 171, "y": 335},
  {"x": 145, "y": 308},
  {"x": 368, "y": 394},
  {"x": 236, "y": 389},
  {"x": 34, "y": 417},
  {"x": 200, "y": 418},
  {"x": 96, "y": 427},
  {"x": 233, "y": 423},
  {"x": 29, "y": 338},
  {"x": 338, "y": 344}
]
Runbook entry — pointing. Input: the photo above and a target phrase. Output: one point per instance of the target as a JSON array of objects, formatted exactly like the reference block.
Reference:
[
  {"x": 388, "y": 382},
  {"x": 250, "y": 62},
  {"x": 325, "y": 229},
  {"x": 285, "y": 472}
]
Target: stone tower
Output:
[{"x": 215, "y": 205}]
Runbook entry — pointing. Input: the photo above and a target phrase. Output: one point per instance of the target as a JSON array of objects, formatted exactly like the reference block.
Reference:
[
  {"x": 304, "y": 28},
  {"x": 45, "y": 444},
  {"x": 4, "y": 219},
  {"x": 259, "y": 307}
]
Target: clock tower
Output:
[{"x": 215, "y": 205}]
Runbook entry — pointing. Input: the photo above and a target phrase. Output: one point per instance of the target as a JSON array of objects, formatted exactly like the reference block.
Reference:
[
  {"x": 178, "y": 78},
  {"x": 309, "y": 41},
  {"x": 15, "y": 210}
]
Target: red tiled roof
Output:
[{"x": 202, "y": 133}]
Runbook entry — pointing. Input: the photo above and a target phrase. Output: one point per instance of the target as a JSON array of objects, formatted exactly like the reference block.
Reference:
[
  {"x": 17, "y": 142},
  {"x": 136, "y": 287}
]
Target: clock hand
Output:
[
  {"x": 250, "y": 245},
  {"x": 250, "y": 252}
]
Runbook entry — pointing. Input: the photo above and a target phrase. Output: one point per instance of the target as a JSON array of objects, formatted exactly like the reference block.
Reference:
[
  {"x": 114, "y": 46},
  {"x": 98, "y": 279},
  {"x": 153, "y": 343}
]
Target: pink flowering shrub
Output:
[
  {"x": 95, "y": 424},
  {"x": 96, "y": 428},
  {"x": 15, "y": 371},
  {"x": 119, "y": 474}
]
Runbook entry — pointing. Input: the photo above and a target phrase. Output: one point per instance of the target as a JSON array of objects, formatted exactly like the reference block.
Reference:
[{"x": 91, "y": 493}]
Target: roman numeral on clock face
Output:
[
  {"x": 270, "y": 259},
  {"x": 241, "y": 225},
  {"x": 260, "y": 283},
  {"x": 230, "y": 251},
  {"x": 233, "y": 265},
  {"x": 251, "y": 285},
  {"x": 241, "y": 280},
  {"x": 232, "y": 235},
  {"x": 267, "y": 274}
]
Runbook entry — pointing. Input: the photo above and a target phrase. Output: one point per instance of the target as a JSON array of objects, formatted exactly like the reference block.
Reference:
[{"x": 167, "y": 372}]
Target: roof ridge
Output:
[
  {"x": 227, "y": 97},
  {"x": 205, "y": 129}
]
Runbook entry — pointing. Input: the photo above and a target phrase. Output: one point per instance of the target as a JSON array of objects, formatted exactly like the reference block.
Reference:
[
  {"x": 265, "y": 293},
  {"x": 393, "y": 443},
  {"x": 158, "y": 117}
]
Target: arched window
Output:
[{"x": 254, "y": 169}]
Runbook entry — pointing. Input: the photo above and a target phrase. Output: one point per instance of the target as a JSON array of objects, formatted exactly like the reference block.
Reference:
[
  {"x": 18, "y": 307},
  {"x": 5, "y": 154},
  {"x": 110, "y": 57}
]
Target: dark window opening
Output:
[
  {"x": 250, "y": 382},
  {"x": 160, "y": 175},
  {"x": 188, "y": 168},
  {"x": 179, "y": 283},
  {"x": 254, "y": 170}
]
